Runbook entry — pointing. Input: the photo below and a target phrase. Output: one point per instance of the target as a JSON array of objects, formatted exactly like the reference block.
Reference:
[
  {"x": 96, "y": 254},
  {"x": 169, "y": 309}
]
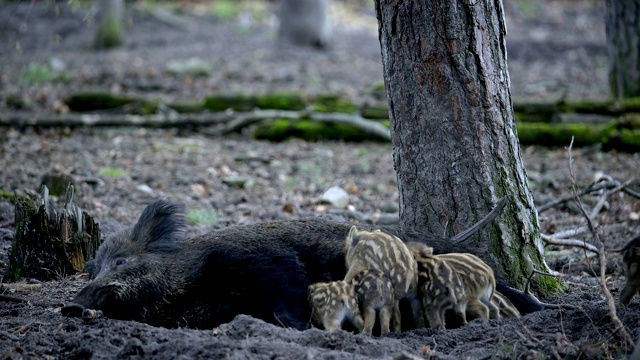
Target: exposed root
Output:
[
  {"x": 627, "y": 341},
  {"x": 545, "y": 305}
]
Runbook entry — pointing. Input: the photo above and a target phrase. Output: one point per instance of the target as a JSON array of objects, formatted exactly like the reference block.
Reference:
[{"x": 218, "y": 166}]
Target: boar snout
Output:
[{"x": 73, "y": 310}]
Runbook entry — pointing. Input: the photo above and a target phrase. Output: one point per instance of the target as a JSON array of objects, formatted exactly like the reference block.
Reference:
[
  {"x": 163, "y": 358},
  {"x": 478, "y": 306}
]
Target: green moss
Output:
[
  {"x": 186, "y": 108},
  {"x": 38, "y": 74},
  {"x": 587, "y": 107},
  {"x": 237, "y": 102},
  {"x": 109, "y": 34},
  {"x": 11, "y": 196},
  {"x": 560, "y": 134},
  {"x": 280, "y": 101},
  {"x": 205, "y": 218},
  {"x": 98, "y": 101},
  {"x": 378, "y": 90},
  {"x": 282, "y": 129},
  {"x": 225, "y": 9},
  {"x": 333, "y": 104},
  {"x": 375, "y": 112},
  {"x": 548, "y": 285},
  {"x": 112, "y": 172},
  {"x": 629, "y": 104}
]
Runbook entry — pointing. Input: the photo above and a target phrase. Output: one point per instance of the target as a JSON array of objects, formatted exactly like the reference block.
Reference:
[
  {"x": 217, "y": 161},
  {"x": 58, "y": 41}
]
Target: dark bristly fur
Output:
[
  {"x": 153, "y": 274},
  {"x": 631, "y": 259}
]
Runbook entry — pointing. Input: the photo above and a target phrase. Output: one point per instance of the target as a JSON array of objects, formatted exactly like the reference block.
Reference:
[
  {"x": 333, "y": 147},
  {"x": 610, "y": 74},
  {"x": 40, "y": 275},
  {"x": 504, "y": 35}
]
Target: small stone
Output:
[
  {"x": 144, "y": 188},
  {"x": 388, "y": 219},
  {"x": 235, "y": 181},
  {"x": 634, "y": 216},
  {"x": 335, "y": 196},
  {"x": 389, "y": 207}
]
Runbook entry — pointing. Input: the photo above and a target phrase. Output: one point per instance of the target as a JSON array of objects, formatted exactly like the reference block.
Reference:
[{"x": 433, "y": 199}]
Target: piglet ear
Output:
[
  {"x": 353, "y": 237},
  {"x": 161, "y": 224}
]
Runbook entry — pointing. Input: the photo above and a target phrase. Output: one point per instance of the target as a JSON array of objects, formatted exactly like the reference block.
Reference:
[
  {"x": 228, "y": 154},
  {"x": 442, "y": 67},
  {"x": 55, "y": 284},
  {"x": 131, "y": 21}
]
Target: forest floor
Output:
[{"x": 555, "y": 49}]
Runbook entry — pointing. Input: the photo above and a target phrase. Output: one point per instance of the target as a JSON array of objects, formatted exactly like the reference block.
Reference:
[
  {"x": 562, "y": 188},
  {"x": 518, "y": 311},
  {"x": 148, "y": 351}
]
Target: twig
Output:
[
  {"x": 552, "y": 240},
  {"x": 603, "y": 199},
  {"x": 546, "y": 305},
  {"x": 628, "y": 341},
  {"x": 10, "y": 298},
  {"x": 570, "y": 232},
  {"x": 589, "y": 189}
]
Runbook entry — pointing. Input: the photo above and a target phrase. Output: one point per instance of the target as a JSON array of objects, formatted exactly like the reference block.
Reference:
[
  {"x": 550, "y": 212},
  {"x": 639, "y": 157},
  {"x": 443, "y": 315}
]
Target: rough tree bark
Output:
[
  {"x": 623, "y": 42},
  {"x": 49, "y": 243},
  {"x": 456, "y": 150}
]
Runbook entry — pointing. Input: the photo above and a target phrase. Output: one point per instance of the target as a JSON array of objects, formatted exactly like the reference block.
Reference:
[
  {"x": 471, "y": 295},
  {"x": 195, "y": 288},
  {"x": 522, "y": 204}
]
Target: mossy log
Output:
[
  {"x": 104, "y": 101},
  {"x": 618, "y": 134},
  {"x": 309, "y": 130},
  {"x": 48, "y": 243}
]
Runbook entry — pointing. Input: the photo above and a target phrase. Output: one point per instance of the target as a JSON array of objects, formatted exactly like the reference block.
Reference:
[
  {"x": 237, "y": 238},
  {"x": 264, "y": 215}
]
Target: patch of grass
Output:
[
  {"x": 112, "y": 172},
  {"x": 207, "y": 217},
  {"x": 225, "y": 9},
  {"x": 37, "y": 74},
  {"x": 527, "y": 7}
]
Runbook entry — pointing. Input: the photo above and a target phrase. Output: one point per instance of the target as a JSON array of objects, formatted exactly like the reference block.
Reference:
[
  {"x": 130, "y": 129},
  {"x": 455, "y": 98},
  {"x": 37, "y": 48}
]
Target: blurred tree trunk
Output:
[
  {"x": 110, "y": 19},
  {"x": 456, "y": 150},
  {"x": 304, "y": 22},
  {"x": 623, "y": 41}
]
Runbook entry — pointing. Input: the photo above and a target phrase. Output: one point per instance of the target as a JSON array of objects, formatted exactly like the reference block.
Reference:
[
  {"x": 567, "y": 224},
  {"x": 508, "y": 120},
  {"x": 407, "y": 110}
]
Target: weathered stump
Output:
[{"x": 49, "y": 243}]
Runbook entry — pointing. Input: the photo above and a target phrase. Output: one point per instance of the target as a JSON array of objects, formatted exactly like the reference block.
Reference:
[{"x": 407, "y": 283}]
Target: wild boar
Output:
[
  {"x": 631, "y": 259},
  {"x": 154, "y": 274}
]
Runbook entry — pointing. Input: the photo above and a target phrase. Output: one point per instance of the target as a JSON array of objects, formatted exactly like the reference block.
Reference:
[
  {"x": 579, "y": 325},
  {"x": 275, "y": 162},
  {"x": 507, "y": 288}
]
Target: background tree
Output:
[
  {"x": 110, "y": 20},
  {"x": 456, "y": 150},
  {"x": 623, "y": 42}
]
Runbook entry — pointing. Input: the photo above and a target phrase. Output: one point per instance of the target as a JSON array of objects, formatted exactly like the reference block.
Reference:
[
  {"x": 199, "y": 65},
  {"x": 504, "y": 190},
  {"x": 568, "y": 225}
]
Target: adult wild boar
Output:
[{"x": 154, "y": 274}]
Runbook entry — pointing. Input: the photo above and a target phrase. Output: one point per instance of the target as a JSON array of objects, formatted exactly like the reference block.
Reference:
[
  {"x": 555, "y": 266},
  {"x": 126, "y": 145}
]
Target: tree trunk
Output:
[
  {"x": 453, "y": 132},
  {"x": 110, "y": 19},
  {"x": 51, "y": 244},
  {"x": 623, "y": 41}
]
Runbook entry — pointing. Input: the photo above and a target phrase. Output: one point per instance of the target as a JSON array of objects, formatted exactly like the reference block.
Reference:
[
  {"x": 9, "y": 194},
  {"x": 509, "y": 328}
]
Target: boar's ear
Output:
[
  {"x": 90, "y": 268},
  {"x": 160, "y": 225}
]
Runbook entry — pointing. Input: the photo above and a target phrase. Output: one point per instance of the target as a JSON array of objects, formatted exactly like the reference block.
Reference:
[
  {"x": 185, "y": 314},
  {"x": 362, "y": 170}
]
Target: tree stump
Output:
[{"x": 49, "y": 243}]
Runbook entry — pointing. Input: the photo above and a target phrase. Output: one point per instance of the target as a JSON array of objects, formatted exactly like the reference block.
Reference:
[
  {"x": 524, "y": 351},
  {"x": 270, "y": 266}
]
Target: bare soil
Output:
[{"x": 556, "y": 48}]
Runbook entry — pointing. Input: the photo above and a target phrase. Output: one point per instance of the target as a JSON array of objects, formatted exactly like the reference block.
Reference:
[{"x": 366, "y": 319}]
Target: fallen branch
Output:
[
  {"x": 620, "y": 329},
  {"x": 234, "y": 121},
  {"x": 570, "y": 232},
  {"x": 603, "y": 199},
  {"x": 552, "y": 240},
  {"x": 243, "y": 120},
  {"x": 97, "y": 120},
  {"x": 9, "y": 298},
  {"x": 593, "y": 187}
]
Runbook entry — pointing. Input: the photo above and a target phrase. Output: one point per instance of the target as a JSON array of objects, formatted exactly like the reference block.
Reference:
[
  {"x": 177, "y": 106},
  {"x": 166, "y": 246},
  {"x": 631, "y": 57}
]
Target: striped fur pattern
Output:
[
  {"x": 333, "y": 303},
  {"x": 375, "y": 296},
  {"x": 505, "y": 306},
  {"x": 461, "y": 282},
  {"x": 377, "y": 250}
]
